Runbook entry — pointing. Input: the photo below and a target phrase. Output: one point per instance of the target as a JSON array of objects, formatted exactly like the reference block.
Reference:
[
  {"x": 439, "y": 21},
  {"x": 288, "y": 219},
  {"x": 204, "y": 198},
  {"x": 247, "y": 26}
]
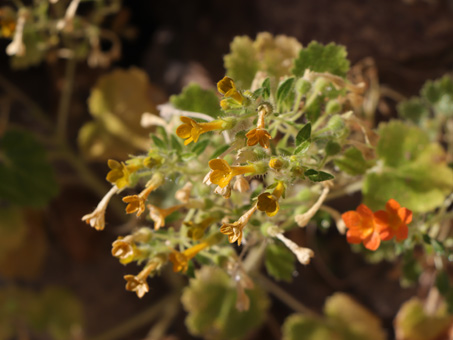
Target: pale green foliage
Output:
[
  {"x": 210, "y": 302},
  {"x": 439, "y": 93},
  {"x": 272, "y": 55},
  {"x": 322, "y": 58},
  {"x": 412, "y": 322},
  {"x": 352, "y": 162},
  {"x": 194, "y": 98},
  {"x": 279, "y": 262},
  {"x": 415, "y": 173},
  {"x": 345, "y": 319},
  {"x": 27, "y": 177},
  {"x": 117, "y": 102}
]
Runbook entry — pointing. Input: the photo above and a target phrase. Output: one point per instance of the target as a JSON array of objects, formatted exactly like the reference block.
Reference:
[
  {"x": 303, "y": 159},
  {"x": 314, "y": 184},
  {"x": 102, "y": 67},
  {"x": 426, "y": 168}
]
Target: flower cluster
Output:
[{"x": 370, "y": 228}]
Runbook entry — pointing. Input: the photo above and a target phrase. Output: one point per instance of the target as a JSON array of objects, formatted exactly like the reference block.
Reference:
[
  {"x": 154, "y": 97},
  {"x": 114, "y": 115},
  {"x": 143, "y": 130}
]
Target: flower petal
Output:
[{"x": 372, "y": 242}]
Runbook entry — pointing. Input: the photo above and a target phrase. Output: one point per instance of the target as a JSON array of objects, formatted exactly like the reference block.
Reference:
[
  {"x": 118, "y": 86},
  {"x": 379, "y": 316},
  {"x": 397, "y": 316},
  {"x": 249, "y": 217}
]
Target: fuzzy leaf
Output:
[
  {"x": 279, "y": 262},
  {"x": 439, "y": 93},
  {"x": 303, "y": 134},
  {"x": 27, "y": 177},
  {"x": 352, "y": 162},
  {"x": 210, "y": 302},
  {"x": 284, "y": 89},
  {"x": 412, "y": 323},
  {"x": 199, "y": 147},
  {"x": 194, "y": 98},
  {"x": 413, "y": 109},
  {"x": 322, "y": 58},
  {"x": 318, "y": 176},
  {"x": 416, "y": 174},
  {"x": 241, "y": 63}
]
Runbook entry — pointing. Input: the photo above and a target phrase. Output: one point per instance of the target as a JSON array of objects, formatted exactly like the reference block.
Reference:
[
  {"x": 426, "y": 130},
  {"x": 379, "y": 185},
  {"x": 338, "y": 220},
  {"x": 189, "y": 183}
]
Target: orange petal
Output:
[
  {"x": 353, "y": 236},
  {"x": 405, "y": 215},
  {"x": 372, "y": 242},
  {"x": 364, "y": 211},
  {"x": 402, "y": 232},
  {"x": 392, "y": 205},
  {"x": 183, "y": 131},
  {"x": 352, "y": 219}
]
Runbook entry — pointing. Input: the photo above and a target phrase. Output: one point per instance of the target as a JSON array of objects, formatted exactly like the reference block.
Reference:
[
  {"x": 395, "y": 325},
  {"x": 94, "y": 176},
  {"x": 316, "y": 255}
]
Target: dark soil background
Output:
[{"x": 180, "y": 41}]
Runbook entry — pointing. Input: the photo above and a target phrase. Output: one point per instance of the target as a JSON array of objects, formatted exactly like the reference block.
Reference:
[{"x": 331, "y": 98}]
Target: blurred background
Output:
[{"x": 399, "y": 43}]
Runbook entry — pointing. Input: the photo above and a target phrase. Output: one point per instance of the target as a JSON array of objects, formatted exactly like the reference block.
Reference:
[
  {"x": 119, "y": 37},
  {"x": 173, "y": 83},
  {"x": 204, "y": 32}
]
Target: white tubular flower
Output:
[
  {"x": 69, "y": 16},
  {"x": 97, "y": 218},
  {"x": 17, "y": 47},
  {"x": 303, "y": 254},
  {"x": 303, "y": 219}
]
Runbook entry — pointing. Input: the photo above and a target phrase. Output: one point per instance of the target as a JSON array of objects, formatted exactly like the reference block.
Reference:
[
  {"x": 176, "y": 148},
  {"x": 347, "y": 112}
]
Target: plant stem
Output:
[
  {"x": 283, "y": 296},
  {"x": 136, "y": 321},
  {"x": 65, "y": 99}
]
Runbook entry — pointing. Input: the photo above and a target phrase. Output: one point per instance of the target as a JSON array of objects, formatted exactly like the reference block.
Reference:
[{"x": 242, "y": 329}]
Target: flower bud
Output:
[{"x": 302, "y": 86}]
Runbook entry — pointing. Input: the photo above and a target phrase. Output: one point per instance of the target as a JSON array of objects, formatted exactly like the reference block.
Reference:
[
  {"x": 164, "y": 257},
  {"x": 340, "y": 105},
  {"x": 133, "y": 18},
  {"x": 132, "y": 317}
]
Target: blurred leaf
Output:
[
  {"x": 199, "y": 148},
  {"x": 332, "y": 148},
  {"x": 410, "y": 269},
  {"x": 412, "y": 323},
  {"x": 241, "y": 63},
  {"x": 439, "y": 93},
  {"x": 27, "y": 177},
  {"x": 276, "y": 54},
  {"x": 194, "y": 98},
  {"x": 284, "y": 89},
  {"x": 158, "y": 142},
  {"x": 264, "y": 91},
  {"x": 210, "y": 302},
  {"x": 318, "y": 176},
  {"x": 25, "y": 261},
  {"x": 97, "y": 143},
  {"x": 219, "y": 151},
  {"x": 345, "y": 319},
  {"x": 322, "y": 58},
  {"x": 413, "y": 109},
  {"x": 416, "y": 174},
  {"x": 279, "y": 262},
  {"x": 303, "y": 147},
  {"x": 446, "y": 289},
  {"x": 118, "y": 100},
  {"x": 303, "y": 134},
  {"x": 344, "y": 310},
  {"x": 352, "y": 162},
  {"x": 12, "y": 229}
]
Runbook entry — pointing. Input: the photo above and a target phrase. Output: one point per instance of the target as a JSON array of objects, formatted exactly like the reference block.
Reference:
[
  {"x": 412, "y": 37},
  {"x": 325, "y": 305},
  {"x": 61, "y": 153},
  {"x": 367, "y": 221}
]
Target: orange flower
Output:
[
  {"x": 234, "y": 230},
  {"x": 393, "y": 221},
  {"x": 136, "y": 203},
  {"x": 258, "y": 135},
  {"x": 227, "y": 87},
  {"x": 191, "y": 130},
  {"x": 363, "y": 227},
  {"x": 222, "y": 173}
]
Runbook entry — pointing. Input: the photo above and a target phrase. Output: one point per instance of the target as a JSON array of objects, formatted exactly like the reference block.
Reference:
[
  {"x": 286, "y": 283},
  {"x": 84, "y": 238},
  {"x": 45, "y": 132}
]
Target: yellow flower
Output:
[
  {"x": 222, "y": 173},
  {"x": 191, "y": 130},
  {"x": 125, "y": 248},
  {"x": 119, "y": 173},
  {"x": 276, "y": 163},
  {"x": 269, "y": 202},
  {"x": 234, "y": 230},
  {"x": 136, "y": 203},
  {"x": 227, "y": 87},
  {"x": 97, "y": 218},
  {"x": 181, "y": 260},
  {"x": 258, "y": 135},
  {"x": 138, "y": 283},
  {"x": 158, "y": 215},
  {"x": 196, "y": 230}
]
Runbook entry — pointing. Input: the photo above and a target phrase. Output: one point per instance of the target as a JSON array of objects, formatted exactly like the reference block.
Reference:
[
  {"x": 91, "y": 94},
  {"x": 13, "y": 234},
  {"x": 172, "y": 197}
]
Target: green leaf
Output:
[
  {"x": 219, "y": 151},
  {"x": 332, "y": 148},
  {"x": 303, "y": 134},
  {"x": 194, "y": 98},
  {"x": 175, "y": 144},
  {"x": 437, "y": 246},
  {"x": 439, "y": 93},
  {"x": 352, "y": 162},
  {"x": 413, "y": 323},
  {"x": 158, "y": 142},
  {"x": 322, "y": 58},
  {"x": 303, "y": 147},
  {"x": 318, "y": 176},
  {"x": 199, "y": 147},
  {"x": 284, "y": 89},
  {"x": 279, "y": 262},
  {"x": 313, "y": 107},
  {"x": 241, "y": 63},
  {"x": 415, "y": 172},
  {"x": 413, "y": 109},
  {"x": 312, "y": 329},
  {"x": 264, "y": 91},
  {"x": 210, "y": 301},
  {"x": 26, "y": 175}
]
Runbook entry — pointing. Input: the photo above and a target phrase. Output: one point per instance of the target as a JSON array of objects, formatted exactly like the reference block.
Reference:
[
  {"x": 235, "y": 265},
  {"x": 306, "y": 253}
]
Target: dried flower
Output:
[
  {"x": 138, "y": 283},
  {"x": 241, "y": 184},
  {"x": 136, "y": 203},
  {"x": 234, "y": 230},
  {"x": 183, "y": 194},
  {"x": 158, "y": 215},
  {"x": 97, "y": 218}
]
